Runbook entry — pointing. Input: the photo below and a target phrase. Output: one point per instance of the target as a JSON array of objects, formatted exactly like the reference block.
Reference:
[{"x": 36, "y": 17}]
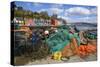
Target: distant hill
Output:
[{"x": 84, "y": 24}]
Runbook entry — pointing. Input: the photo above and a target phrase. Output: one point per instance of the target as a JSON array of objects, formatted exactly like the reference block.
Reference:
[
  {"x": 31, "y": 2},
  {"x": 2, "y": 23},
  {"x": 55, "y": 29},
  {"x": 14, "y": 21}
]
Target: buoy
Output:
[
  {"x": 57, "y": 55},
  {"x": 46, "y": 32}
]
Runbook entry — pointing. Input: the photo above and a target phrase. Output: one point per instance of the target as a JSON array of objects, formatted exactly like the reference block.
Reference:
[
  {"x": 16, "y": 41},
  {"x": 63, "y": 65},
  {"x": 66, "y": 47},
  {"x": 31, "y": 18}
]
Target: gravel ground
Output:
[
  {"x": 48, "y": 60},
  {"x": 92, "y": 57}
]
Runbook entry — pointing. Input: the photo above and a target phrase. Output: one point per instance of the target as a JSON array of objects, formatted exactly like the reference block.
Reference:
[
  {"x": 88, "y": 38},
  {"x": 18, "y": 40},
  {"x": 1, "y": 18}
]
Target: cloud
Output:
[
  {"x": 56, "y": 5},
  {"x": 65, "y": 18},
  {"x": 74, "y": 14},
  {"x": 37, "y": 4},
  {"x": 68, "y": 19},
  {"x": 56, "y": 10},
  {"x": 42, "y": 10},
  {"x": 81, "y": 14},
  {"x": 52, "y": 10},
  {"x": 77, "y": 11},
  {"x": 94, "y": 11}
]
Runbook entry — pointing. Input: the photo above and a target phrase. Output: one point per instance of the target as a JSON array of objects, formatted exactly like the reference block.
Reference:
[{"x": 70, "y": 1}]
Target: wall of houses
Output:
[{"x": 37, "y": 22}]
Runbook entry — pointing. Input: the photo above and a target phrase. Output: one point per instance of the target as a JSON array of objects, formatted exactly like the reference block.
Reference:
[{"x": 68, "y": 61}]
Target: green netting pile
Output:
[
  {"x": 60, "y": 39},
  {"x": 91, "y": 36}
]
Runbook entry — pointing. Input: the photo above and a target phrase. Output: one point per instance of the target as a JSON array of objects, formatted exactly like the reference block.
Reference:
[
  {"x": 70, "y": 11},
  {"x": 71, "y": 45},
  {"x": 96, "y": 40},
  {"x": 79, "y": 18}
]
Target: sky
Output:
[{"x": 71, "y": 13}]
